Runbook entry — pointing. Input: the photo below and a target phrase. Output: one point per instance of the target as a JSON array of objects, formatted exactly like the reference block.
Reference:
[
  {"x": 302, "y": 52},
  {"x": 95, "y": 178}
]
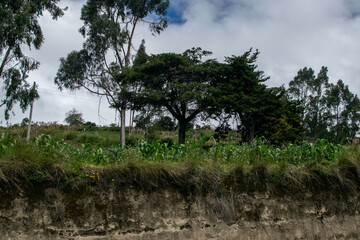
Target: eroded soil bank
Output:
[{"x": 134, "y": 213}]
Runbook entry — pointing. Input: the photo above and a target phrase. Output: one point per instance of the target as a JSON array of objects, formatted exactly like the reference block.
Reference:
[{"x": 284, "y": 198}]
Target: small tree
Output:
[
  {"x": 25, "y": 122},
  {"x": 74, "y": 117}
]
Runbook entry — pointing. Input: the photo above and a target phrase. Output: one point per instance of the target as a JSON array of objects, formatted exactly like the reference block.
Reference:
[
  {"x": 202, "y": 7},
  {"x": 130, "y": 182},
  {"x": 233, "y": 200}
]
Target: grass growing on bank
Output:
[{"x": 192, "y": 167}]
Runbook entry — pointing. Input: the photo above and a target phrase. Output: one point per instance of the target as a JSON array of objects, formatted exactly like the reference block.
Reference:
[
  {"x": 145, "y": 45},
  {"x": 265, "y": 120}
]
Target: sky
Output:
[{"x": 290, "y": 35}]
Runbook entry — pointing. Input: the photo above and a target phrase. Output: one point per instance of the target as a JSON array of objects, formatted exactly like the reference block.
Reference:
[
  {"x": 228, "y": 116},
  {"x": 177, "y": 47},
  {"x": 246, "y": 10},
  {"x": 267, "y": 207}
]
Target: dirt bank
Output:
[{"x": 125, "y": 212}]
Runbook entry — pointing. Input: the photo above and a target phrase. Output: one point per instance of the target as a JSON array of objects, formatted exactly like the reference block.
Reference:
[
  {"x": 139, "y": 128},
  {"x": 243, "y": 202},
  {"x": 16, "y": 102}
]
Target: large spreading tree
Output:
[
  {"x": 176, "y": 83},
  {"x": 19, "y": 28},
  {"x": 109, "y": 28}
]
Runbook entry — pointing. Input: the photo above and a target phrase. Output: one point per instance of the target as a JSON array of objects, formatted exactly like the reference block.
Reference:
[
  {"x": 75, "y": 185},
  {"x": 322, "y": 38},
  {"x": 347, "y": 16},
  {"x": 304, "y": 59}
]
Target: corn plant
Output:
[{"x": 6, "y": 141}]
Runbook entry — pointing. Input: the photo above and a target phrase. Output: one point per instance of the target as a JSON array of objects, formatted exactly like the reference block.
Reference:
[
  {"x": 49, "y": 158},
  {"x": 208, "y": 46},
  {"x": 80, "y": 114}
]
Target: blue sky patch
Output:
[{"x": 176, "y": 12}]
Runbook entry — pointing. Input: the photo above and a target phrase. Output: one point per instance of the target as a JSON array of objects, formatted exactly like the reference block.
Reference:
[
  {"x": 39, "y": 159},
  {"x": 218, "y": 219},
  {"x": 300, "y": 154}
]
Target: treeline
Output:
[
  {"x": 329, "y": 111},
  {"x": 187, "y": 88}
]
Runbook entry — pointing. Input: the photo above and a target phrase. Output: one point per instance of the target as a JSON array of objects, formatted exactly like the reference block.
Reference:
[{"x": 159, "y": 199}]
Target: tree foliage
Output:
[
  {"x": 165, "y": 123},
  {"x": 310, "y": 91},
  {"x": 109, "y": 28},
  {"x": 343, "y": 113},
  {"x": 330, "y": 111},
  {"x": 176, "y": 83},
  {"x": 74, "y": 117},
  {"x": 240, "y": 92},
  {"x": 19, "y": 27}
]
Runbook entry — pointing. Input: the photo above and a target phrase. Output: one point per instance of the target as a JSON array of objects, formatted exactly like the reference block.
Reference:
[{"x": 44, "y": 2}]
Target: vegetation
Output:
[
  {"x": 74, "y": 117},
  {"x": 109, "y": 28},
  {"x": 239, "y": 92},
  {"x": 181, "y": 86},
  {"x": 228, "y": 165},
  {"x": 176, "y": 83},
  {"x": 330, "y": 111},
  {"x": 19, "y": 28},
  {"x": 267, "y": 145}
]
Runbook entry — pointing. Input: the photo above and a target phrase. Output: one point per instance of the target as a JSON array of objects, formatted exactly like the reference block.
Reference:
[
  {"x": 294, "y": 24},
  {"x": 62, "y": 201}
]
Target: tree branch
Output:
[
  {"x": 177, "y": 111},
  {"x": 7, "y": 54},
  {"x": 172, "y": 111},
  {"x": 127, "y": 57},
  {"x": 193, "y": 115}
]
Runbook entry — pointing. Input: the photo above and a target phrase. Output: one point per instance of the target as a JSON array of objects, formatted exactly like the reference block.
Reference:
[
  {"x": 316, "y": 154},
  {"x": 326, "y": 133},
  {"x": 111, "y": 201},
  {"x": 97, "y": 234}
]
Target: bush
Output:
[
  {"x": 88, "y": 139},
  {"x": 221, "y": 133},
  {"x": 89, "y": 126},
  {"x": 133, "y": 140},
  {"x": 165, "y": 123},
  {"x": 70, "y": 136},
  {"x": 168, "y": 141},
  {"x": 152, "y": 136}
]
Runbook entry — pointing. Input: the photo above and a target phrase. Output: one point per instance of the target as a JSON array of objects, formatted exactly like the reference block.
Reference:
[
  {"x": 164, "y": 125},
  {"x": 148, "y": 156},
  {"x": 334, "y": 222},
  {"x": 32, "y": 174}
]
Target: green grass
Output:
[{"x": 96, "y": 158}]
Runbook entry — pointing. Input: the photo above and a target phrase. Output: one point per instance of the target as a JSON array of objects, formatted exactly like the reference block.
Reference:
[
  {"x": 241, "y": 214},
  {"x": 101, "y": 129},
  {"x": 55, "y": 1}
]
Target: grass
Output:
[{"x": 201, "y": 165}]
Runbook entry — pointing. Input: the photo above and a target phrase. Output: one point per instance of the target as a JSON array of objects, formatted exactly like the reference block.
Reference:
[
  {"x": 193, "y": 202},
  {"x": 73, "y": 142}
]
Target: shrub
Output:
[
  {"x": 70, "y": 136},
  {"x": 88, "y": 139}
]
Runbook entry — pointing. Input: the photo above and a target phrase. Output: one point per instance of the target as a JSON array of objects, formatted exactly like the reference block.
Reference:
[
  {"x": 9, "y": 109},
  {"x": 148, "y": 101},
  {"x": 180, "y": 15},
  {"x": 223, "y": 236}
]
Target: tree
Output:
[
  {"x": 109, "y": 28},
  {"x": 19, "y": 27},
  {"x": 176, "y": 83},
  {"x": 74, "y": 117},
  {"x": 145, "y": 119},
  {"x": 343, "y": 113},
  {"x": 25, "y": 122},
  {"x": 279, "y": 118},
  {"x": 239, "y": 92},
  {"x": 140, "y": 58},
  {"x": 329, "y": 111},
  {"x": 310, "y": 90},
  {"x": 235, "y": 90}
]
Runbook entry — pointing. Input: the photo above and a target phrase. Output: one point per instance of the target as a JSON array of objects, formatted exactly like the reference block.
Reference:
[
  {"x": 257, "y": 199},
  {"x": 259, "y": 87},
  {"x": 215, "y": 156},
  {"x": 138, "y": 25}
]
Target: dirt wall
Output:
[{"x": 132, "y": 213}]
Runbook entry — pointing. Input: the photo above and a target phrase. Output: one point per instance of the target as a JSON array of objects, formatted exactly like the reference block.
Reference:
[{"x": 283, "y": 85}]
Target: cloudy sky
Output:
[{"x": 290, "y": 34}]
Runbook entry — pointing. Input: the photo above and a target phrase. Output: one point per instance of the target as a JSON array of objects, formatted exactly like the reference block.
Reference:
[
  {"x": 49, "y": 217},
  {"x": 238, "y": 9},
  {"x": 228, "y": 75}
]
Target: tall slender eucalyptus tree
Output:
[{"x": 109, "y": 28}]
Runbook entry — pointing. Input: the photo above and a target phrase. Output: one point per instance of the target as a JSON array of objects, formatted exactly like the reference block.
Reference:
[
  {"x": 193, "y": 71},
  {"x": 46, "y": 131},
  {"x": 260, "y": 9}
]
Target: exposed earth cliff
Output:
[{"x": 148, "y": 211}]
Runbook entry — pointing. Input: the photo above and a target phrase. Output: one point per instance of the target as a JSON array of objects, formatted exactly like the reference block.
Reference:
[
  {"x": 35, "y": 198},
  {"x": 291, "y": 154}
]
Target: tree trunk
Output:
[
  {"x": 123, "y": 112},
  {"x": 182, "y": 131},
  {"x": 130, "y": 122},
  {"x": 30, "y": 118},
  {"x": 252, "y": 132}
]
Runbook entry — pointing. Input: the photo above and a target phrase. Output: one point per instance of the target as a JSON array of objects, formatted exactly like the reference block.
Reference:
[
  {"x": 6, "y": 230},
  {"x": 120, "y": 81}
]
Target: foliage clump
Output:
[{"x": 74, "y": 117}]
